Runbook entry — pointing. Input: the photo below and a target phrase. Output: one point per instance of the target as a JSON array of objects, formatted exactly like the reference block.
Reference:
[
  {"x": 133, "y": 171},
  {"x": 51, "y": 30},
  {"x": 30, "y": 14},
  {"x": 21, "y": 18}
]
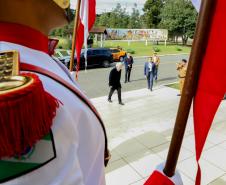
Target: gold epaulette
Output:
[{"x": 9, "y": 72}]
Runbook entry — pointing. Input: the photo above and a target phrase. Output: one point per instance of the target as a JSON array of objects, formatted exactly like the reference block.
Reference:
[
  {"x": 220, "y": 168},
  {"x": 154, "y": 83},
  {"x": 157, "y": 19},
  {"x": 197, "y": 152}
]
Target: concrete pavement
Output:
[{"x": 140, "y": 132}]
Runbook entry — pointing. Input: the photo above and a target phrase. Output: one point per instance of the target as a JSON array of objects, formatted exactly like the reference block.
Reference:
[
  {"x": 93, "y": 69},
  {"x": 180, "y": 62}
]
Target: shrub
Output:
[
  {"x": 130, "y": 51},
  {"x": 156, "y": 49},
  {"x": 178, "y": 49}
]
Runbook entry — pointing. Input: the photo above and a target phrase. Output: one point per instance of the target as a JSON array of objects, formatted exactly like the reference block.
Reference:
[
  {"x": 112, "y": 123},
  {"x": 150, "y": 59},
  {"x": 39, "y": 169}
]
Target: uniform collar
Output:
[{"x": 23, "y": 35}]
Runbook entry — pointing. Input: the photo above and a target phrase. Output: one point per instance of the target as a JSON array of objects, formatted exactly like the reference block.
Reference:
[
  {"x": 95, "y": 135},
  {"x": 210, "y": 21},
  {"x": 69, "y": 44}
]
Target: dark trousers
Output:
[
  {"x": 112, "y": 91},
  {"x": 127, "y": 74},
  {"x": 150, "y": 78}
]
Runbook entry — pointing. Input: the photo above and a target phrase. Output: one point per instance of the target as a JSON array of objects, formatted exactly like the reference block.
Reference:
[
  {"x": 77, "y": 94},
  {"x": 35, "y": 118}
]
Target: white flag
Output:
[{"x": 197, "y": 4}]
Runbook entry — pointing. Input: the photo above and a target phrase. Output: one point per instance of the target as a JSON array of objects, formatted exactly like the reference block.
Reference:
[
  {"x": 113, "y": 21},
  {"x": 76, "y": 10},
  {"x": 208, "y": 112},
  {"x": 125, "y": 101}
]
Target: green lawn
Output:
[
  {"x": 139, "y": 48},
  {"x": 174, "y": 85}
]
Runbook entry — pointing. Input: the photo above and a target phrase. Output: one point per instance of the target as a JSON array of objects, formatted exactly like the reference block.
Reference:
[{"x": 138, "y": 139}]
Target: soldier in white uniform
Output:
[{"x": 74, "y": 151}]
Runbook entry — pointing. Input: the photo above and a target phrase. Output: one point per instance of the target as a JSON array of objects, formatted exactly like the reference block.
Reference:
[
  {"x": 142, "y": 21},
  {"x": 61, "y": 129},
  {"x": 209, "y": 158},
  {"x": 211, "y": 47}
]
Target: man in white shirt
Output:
[{"x": 74, "y": 152}]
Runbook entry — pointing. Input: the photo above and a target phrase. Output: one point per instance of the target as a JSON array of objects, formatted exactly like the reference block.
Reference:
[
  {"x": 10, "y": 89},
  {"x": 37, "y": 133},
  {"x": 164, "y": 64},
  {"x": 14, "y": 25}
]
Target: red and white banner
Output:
[
  {"x": 87, "y": 18},
  {"x": 212, "y": 80}
]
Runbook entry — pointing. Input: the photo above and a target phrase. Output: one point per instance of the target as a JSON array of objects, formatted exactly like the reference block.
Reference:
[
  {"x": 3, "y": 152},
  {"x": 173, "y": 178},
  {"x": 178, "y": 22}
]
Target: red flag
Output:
[
  {"x": 87, "y": 18},
  {"x": 212, "y": 80},
  {"x": 158, "y": 178}
]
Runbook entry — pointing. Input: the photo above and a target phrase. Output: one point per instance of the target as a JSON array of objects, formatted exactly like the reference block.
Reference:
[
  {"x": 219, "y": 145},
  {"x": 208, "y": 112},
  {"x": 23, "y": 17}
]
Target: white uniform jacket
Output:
[{"x": 77, "y": 133}]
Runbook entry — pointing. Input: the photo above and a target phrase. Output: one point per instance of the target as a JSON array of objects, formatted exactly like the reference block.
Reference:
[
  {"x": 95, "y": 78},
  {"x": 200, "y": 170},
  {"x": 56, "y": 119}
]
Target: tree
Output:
[
  {"x": 67, "y": 30},
  {"x": 179, "y": 17},
  {"x": 119, "y": 17},
  {"x": 134, "y": 19},
  {"x": 152, "y": 10},
  {"x": 103, "y": 19}
]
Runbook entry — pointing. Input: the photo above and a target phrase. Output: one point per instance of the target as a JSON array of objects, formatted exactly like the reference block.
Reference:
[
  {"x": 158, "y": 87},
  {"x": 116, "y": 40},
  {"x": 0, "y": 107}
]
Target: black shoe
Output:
[
  {"x": 109, "y": 101},
  {"x": 125, "y": 81},
  {"x": 178, "y": 94},
  {"x": 121, "y": 103}
]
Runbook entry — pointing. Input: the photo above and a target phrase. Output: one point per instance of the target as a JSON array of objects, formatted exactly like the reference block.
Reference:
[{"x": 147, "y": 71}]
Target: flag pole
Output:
[
  {"x": 191, "y": 82},
  {"x": 74, "y": 35}
]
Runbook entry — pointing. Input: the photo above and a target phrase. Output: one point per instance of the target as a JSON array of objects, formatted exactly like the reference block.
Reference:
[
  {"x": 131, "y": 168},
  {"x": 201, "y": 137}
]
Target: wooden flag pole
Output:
[
  {"x": 191, "y": 82},
  {"x": 74, "y": 35}
]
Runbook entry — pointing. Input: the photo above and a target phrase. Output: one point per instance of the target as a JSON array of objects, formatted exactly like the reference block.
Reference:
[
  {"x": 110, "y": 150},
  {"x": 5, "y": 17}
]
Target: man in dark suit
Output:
[
  {"x": 114, "y": 82},
  {"x": 128, "y": 67},
  {"x": 149, "y": 70}
]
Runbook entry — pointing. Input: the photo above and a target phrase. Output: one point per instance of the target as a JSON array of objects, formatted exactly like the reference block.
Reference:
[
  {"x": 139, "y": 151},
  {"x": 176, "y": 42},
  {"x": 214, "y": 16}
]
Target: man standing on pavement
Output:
[
  {"x": 114, "y": 82},
  {"x": 182, "y": 69},
  {"x": 149, "y": 69},
  {"x": 74, "y": 151},
  {"x": 156, "y": 60},
  {"x": 128, "y": 67}
]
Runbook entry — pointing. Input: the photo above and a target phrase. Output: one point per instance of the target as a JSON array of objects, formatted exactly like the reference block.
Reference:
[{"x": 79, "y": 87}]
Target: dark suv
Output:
[{"x": 96, "y": 57}]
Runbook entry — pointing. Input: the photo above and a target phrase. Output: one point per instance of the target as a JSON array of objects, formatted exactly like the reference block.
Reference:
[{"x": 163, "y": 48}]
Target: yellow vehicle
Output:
[{"x": 118, "y": 54}]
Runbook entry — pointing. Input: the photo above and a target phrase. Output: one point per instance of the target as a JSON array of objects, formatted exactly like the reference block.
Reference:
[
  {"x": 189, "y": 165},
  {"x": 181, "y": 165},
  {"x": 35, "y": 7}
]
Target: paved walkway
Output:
[{"x": 140, "y": 132}]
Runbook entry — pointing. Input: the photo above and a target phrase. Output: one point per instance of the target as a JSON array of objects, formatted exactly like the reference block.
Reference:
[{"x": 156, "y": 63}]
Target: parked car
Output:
[
  {"x": 64, "y": 56},
  {"x": 96, "y": 57},
  {"x": 118, "y": 54}
]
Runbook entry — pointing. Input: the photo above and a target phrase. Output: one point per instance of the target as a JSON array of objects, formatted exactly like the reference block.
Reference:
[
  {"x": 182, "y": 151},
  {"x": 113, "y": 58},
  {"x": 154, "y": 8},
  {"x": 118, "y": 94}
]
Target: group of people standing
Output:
[{"x": 150, "y": 72}]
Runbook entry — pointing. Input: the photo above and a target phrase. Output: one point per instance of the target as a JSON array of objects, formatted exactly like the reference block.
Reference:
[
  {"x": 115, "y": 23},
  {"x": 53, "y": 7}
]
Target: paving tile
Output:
[
  {"x": 120, "y": 173},
  {"x": 222, "y": 145},
  {"x": 216, "y": 137},
  {"x": 151, "y": 139},
  {"x": 219, "y": 181},
  {"x": 144, "y": 162},
  {"x": 163, "y": 149},
  {"x": 189, "y": 144},
  {"x": 216, "y": 156},
  {"x": 129, "y": 147},
  {"x": 139, "y": 134},
  {"x": 141, "y": 182},
  {"x": 114, "y": 156},
  {"x": 209, "y": 171},
  {"x": 186, "y": 180}
]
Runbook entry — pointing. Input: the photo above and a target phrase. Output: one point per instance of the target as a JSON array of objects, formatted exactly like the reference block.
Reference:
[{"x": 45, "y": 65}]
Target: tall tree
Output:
[
  {"x": 134, "y": 19},
  {"x": 103, "y": 19},
  {"x": 119, "y": 17},
  {"x": 152, "y": 10},
  {"x": 179, "y": 17}
]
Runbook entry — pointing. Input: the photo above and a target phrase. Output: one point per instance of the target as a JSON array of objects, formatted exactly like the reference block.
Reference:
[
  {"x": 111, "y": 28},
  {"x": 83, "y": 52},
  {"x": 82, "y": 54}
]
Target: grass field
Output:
[
  {"x": 174, "y": 85},
  {"x": 139, "y": 47}
]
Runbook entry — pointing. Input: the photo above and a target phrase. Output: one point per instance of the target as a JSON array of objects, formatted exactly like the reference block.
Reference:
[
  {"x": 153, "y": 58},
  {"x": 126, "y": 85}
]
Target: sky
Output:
[{"x": 108, "y": 5}]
